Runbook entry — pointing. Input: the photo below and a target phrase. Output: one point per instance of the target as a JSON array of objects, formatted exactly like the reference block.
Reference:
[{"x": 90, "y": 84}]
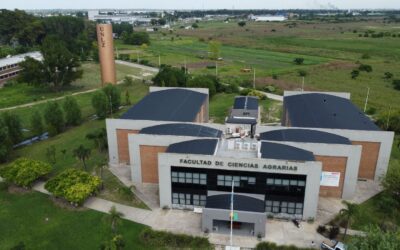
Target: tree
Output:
[
  {"x": 242, "y": 23},
  {"x": 13, "y": 123},
  {"x": 60, "y": 67},
  {"x": 73, "y": 114},
  {"x": 5, "y": 145},
  {"x": 214, "y": 49},
  {"x": 115, "y": 218},
  {"x": 136, "y": 38},
  {"x": 354, "y": 74},
  {"x": 113, "y": 97},
  {"x": 119, "y": 28},
  {"x": 100, "y": 104},
  {"x": 195, "y": 26},
  {"x": 204, "y": 81},
  {"x": 37, "y": 123},
  {"x": 170, "y": 77},
  {"x": 376, "y": 239},
  {"x": 82, "y": 154},
  {"x": 100, "y": 138},
  {"x": 348, "y": 213},
  {"x": 32, "y": 72},
  {"x": 54, "y": 118},
  {"x": 298, "y": 60}
]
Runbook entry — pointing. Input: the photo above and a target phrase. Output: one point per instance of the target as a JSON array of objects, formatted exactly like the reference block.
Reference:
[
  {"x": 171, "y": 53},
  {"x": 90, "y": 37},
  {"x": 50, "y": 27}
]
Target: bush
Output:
[
  {"x": 195, "y": 26},
  {"x": 14, "y": 126},
  {"x": 170, "y": 77},
  {"x": 321, "y": 229},
  {"x": 302, "y": 73},
  {"x": 73, "y": 185},
  {"x": 152, "y": 238},
  {"x": 365, "y": 67},
  {"x": 36, "y": 123},
  {"x": 333, "y": 232},
  {"x": 396, "y": 84},
  {"x": 272, "y": 246},
  {"x": 269, "y": 89},
  {"x": 354, "y": 74},
  {"x": 242, "y": 23},
  {"x": 136, "y": 38},
  {"x": 23, "y": 172},
  {"x": 298, "y": 60},
  {"x": 204, "y": 81},
  {"x": 6, "y": 144},
  {"x": 113, "y": 97},
  {"x": 387, "y": 75},
  {"x": 257, "y": 94}
]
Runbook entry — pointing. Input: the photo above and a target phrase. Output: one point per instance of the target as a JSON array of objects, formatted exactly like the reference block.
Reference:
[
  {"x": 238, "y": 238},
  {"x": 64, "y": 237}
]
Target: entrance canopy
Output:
[{"x": 240, "y": 203}]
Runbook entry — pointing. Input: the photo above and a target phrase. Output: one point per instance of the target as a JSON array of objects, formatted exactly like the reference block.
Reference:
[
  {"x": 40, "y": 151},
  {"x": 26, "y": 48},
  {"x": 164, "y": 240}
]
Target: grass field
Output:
[
  {"x": 32, "y": 218},
  {"x": 23, "y": 93}
]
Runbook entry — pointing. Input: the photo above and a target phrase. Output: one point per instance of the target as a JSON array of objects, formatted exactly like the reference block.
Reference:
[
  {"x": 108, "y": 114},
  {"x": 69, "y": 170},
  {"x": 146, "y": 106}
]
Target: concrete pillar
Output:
[{"x": 106, "y": 53}]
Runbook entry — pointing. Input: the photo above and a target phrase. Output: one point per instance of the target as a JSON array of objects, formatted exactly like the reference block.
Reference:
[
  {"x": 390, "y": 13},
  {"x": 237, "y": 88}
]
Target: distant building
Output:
[
  {"x": 9, "y": 67},
  {"x": 117, "y": 17},
  {"x": 267, "y": 18}
]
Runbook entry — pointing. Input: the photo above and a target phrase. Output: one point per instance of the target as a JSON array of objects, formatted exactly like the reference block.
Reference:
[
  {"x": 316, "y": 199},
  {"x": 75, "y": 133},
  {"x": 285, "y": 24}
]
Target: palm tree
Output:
[
  {"x": 82, "y": 154},
  {"x": 115, "y": 218},
  {"x": 349, "y": 212}
]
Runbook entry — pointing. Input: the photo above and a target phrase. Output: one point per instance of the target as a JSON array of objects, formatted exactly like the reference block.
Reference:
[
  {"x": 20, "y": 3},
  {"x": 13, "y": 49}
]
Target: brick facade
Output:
[
  {"x": 122, "y": 142},
  {"x": 369, "y": 159},
  {"x": 149, "y": 162},
  {"x": 333, "y": 164}
]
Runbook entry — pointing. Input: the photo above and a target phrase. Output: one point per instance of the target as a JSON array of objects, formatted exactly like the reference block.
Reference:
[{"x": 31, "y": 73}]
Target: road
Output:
[{"x": 139, "y": 66}]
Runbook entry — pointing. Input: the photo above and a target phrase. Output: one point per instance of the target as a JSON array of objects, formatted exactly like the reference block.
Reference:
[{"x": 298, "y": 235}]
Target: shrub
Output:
[
  {"x": 302, "y": 73},
  {"x": 195, "y": 26},
  {"x": 204, "y": 81},
  {"x": 258, "y": 94},
  {"x": 113, "y": 95},
  {"x": 23, "y": 172},
  {"x": 354, "y": 74},
  {"x": 73, "y": 185},
  {"x": 396, "y": 84},
  {"x": 136, "y": 38},
  {"x": 36, "y": 123},
  {"x": 242, "y": 23},
  {"x": 365, "y": 56},
  {"x": 270, "y": 89},
  {"x": 321, "y": 229},
  {"x": 387, "y": 75},
  {"x": 333, "y": 232},
  {"x": 152, "y": 238},
  {"x": 298, "y": 60},
  {"x": 365, "y": 67},
  {"x": 13, "y": 123},
  {"x": 272, "y": 246}
]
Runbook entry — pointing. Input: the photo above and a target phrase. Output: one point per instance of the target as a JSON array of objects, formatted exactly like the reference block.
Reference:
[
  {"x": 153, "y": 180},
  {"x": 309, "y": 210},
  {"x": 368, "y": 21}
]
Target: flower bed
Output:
[
  {"x": 74, "y": 185},
  {"x": 23, "y": 172}
]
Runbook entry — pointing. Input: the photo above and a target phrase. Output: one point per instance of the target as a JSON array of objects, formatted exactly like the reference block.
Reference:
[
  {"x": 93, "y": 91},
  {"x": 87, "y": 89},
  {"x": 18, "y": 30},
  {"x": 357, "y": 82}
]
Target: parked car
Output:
[{"x": 333, "y": 245}]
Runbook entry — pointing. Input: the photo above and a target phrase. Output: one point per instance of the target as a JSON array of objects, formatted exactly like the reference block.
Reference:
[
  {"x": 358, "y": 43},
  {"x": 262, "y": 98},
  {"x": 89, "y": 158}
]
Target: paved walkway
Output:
[{"x": 136, "y": 65}]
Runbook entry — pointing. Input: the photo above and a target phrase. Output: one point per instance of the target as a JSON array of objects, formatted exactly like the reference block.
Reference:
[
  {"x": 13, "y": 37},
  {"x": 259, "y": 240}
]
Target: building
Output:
[
  {"x": 325, "y": 144},
  {"x": 9, "y": 66},
  {"x": 268, "y": 18},
  {"x": 118, "y": 17}
]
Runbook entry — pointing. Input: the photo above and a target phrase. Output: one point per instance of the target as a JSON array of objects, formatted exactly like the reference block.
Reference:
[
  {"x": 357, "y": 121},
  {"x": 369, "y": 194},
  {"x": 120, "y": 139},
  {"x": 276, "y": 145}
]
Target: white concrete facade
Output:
[{"x": 311, "y": 169}]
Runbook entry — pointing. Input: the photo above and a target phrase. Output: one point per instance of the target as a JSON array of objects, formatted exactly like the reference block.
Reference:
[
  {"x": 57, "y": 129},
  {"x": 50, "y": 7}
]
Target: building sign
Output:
[
  {"x": 238, "y": 164},
  {"x": 330, "y": 179},
  {"x": 102, "y": 39}
]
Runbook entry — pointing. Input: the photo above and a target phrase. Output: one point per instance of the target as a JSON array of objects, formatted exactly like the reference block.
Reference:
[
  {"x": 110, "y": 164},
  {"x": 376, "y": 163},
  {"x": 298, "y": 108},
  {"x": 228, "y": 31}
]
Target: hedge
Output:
[
  {"x": 154, "y": 238},
  {"x": 73, "y": 185},
  {"x": 23, "y": 172},
  {"x": 273, "y": 246}
]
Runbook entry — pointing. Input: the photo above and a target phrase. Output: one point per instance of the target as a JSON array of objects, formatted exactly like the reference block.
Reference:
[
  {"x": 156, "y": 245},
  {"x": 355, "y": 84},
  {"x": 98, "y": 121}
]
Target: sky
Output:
[{"x": 199, "y": 4}]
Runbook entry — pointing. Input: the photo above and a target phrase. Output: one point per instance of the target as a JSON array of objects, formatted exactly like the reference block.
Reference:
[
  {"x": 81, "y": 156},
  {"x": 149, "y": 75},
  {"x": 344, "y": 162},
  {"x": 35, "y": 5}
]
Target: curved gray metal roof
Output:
[
  {"x": 303, "y": 135},
  {"x": 278, "y": 151},
  {"x": 315, "y": 110},
  {"x": 240, "y": 203},
  {"x": 182, "y": 129},
  {"x": 180, "y": 105},
  {"x": 200, "y": 147}
]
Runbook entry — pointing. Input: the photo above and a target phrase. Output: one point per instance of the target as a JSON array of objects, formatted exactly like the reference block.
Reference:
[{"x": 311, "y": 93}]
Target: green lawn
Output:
[
  {"x": 32, "y": 218},
  {"x": 23, "y": 93}
]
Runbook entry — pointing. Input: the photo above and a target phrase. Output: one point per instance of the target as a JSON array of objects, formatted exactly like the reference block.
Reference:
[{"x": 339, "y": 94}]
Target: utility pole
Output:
[
  {"x": 254, "y": 79},
  {"x": 216, "y": 68},
  {"x": 366, "y": 100},
  {"x": 302, "y": 85},
  {"x": 159, "y": 61},
  {"x": 231, "y": 238}
]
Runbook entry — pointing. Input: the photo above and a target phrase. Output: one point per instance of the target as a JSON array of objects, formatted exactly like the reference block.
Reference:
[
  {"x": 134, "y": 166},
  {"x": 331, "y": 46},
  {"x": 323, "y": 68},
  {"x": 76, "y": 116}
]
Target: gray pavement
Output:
[{"x": 136, "y": 65}]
